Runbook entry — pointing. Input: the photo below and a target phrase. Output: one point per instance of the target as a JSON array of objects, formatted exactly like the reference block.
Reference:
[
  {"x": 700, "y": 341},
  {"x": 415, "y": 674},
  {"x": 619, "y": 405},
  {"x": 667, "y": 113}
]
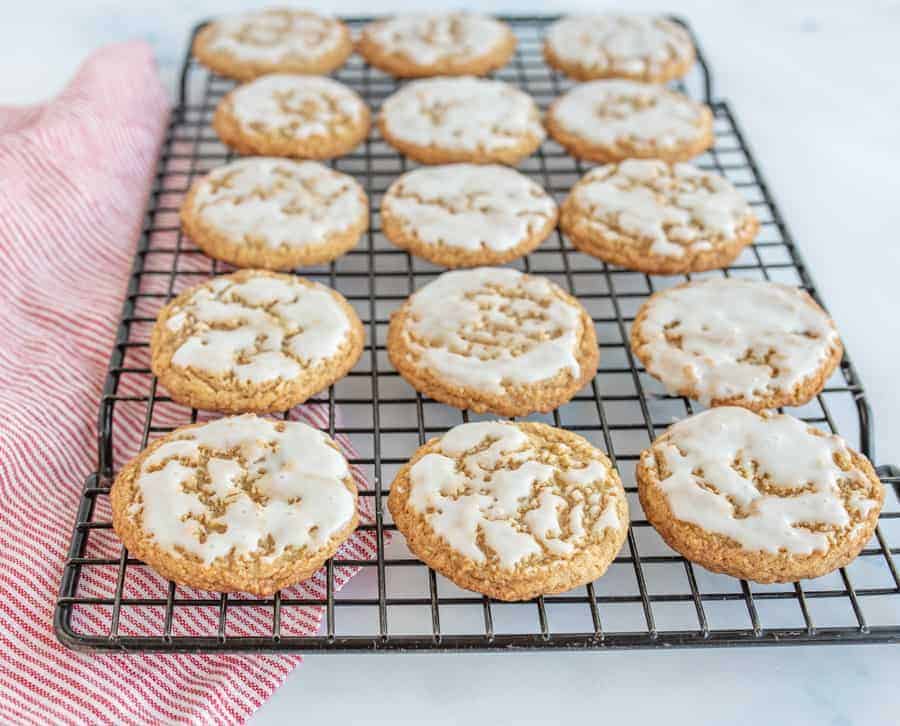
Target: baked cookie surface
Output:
[
  {"x": 254, "y": 341},
  {"x": 511, "y": 510},
  {"x": 613, "y": 120},
  {"x": 238, "y": 504},
  {"x": 275, "y": 213},
  {"x": 494, "y": 339},
  {"x": 762, "y": 497},
  {"x": 276, "y": 40},
  {"x": 447, "y": 120},
  {"x": 637, "y": 47},
  {"x": 658, "y": 218},
  {"x": 437, "y": 44},
  {"x": 309, "y": 117},
  {"x": 465, "y": 215},
  {"x": 737, "y": 342}
]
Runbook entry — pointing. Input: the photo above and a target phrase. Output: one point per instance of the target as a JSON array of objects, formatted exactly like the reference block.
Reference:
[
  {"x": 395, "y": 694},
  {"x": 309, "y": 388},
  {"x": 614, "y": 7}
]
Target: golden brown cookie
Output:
[
  {"x": 762, "y": 497},
  {"x": 309, "y": 117},
  {"x": 659, "y": 218},
  {"x": 737, "y": 342},
  {"x": 466, "y": 215},
  {"x": 494, "y": 339},
  {"x": 254, "y": 341},
  {"x": 241, "y": 504},
  {"x": 447, "y": 120},
  {"x": 511, "y": 510},
  {"x": 276, "y": 40},
  {"x": 644, "y": 48},
  {"x": 613, "y": 120},
  {"x": 275, "y": 214},
  {"x": 437, "y": 44}
]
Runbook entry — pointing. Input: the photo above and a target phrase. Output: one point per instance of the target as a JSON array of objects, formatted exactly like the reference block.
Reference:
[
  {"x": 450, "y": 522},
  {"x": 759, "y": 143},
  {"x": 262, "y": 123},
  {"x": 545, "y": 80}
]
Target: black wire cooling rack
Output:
[{"x": 650, "y": 597}]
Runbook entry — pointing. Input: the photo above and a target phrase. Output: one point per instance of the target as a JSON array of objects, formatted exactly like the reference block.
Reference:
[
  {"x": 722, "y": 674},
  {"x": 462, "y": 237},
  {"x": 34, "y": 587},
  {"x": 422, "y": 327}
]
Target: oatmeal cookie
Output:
[
  {"x": 511, "y": 510},
  {"x": 254, "y": 341},
  {"x": 762, "y": 497},
  {"x": 241, "y": 504},
  {"x": 494, "y": 339}
]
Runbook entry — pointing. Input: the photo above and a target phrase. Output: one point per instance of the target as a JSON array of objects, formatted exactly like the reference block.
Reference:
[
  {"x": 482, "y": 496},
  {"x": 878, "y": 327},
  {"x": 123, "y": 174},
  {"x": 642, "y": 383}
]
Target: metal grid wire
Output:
[{"x": 649, "y": 597}]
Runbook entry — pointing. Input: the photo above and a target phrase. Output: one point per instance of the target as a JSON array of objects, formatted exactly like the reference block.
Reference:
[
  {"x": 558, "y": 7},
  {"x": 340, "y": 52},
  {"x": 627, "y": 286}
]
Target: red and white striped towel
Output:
[{"x": 74, "y": 175}]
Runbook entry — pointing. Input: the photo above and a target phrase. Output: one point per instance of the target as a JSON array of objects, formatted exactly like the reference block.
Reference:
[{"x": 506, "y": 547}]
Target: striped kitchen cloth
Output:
[{"x": 74, "y": 178}]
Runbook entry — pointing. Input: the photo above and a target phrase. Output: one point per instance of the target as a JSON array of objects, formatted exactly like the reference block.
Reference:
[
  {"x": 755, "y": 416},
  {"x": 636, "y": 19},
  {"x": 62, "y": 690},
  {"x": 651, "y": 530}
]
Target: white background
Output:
[{"x": 815, "y": 86}]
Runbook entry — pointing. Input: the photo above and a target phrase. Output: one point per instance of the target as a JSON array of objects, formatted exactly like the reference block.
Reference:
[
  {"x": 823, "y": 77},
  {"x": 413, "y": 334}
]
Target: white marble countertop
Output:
[{"x": 815, "y": 88}]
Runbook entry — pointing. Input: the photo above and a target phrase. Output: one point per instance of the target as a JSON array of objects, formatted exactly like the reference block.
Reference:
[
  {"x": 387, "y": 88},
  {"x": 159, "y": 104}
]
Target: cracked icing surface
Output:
[
  {"x": 236, "y": 502},
  {"x": 285, "y": 114},
  {"x": 258, "y": 329},
  {"x": 468, "y": 207},
  {"x": 275, "y": 35},
  {"x": 485, "y": 326},
  {"x": 768, "y": 483},
  {"x": 429, "y": 39},
  {"x": 270, "y": 206},
  {"x": 732, "y": 340},
  {"x": 653, "y": 208},
  {"x": 296, "y": 106},
  {"x": 470, "y": 117},
  {"x": 494, "y": 339},
  {"x": 617, "y": 119},
  {"x": 253, "y": 334},
  {"x": 518, "y": 503},
  {"x": 641, "y": 47}
]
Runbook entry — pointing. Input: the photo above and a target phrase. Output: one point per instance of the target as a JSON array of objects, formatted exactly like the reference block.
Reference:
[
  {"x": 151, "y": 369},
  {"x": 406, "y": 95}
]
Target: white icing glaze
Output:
[
  {"x": 287, "y": 485},
  {"x": 278, "y": 202},
  {"x": 303, "y": 106},
  {"x": 275, "y": 35},
  {"x": 620, "y": 44},
  {"x": 429, "y": 38},
  {"x": 258, "y": 330},
  {"x": 606, "y": 112},
  {"x": 799, "y": 464},
  {"x": 462, "y": 113},
  {"x": 738, "y": 337},
  {"x": 677, "y": 208},
  {"x": 469, "y": 206},
  {"x": 486, "y": 477},
  {"x": 489, "y": 326}
]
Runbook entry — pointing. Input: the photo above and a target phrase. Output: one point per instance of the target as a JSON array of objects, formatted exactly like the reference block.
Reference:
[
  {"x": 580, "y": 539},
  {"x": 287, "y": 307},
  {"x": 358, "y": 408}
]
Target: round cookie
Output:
[
  {"x": 276, "y": 40},
  {"x": 761, "y": 497},
  {"x": 275, "y": 213},
  {"x": 288, "y": 115},
  {"x": 606, "y": 121},
  {"x": 446, "y": 120},
  {"x": 511, "y": 510},
  {"x": 254, "y": 341},
  {"x": 659, "y": 218},
  {"x": 240, "y": 504},
  {"x": 494, "y": 339},
  {"x": 465, "y": 215},
  {"x": 637, "y": 47},
  {"x": 437, "y": 44},
  {"x": 736, "y": 342}
]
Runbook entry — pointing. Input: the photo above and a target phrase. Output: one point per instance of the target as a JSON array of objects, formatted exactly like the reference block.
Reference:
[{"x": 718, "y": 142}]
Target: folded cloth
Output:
[{"x": 74, "y": 178}]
